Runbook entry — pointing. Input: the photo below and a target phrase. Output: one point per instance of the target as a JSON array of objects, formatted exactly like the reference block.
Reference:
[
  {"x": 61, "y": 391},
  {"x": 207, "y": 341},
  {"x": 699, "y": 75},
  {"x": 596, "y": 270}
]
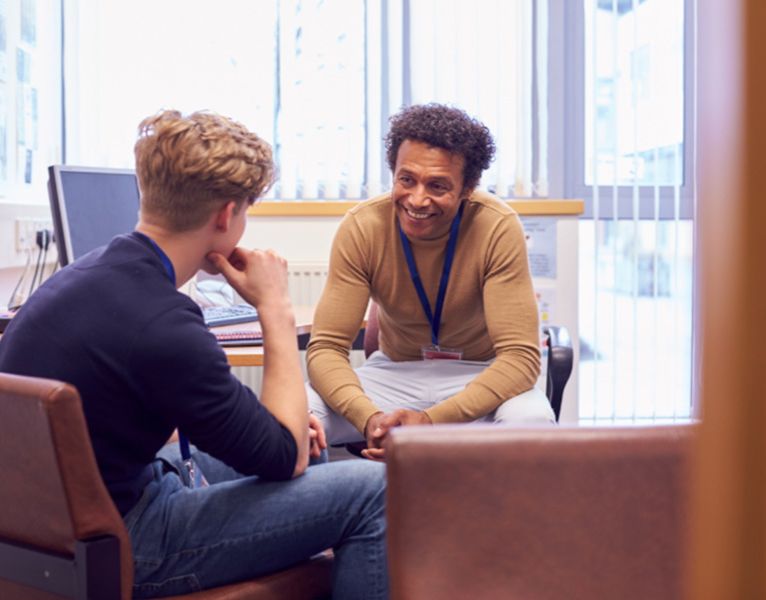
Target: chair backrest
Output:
[
  {"x": 542, "y": 513},
  {"x": 52, "y": 495},
  {"x": 559, "y": 366},
  {"x": 371, "y": 330}
]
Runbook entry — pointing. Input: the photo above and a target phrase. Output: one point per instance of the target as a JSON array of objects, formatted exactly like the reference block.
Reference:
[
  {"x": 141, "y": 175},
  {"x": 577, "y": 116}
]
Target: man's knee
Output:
[
  {"x": 337, "y": 429},
  {"x": 362, "y": 483},
  {"x": 369, "y": 481},
  {"x": 315, "y": 401},
  {"x": 318, "y": 406},
  {"x": 530, "y": 407}
]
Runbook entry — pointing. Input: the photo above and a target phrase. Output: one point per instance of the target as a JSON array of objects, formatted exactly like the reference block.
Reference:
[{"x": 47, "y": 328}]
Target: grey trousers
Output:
[{"x": 420, "y": 384}]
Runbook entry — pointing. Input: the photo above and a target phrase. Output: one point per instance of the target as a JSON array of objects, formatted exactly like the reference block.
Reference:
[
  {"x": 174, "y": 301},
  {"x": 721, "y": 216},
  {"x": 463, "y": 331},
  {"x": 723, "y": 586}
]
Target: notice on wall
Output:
[
  {"x": 541, "y": 245},
  {"x": 546, "y": 304}
]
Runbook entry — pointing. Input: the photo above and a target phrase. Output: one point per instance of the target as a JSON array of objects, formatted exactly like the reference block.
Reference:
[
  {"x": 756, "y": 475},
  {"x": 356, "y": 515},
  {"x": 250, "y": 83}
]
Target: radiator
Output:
[{"x": 306, "y": 281}]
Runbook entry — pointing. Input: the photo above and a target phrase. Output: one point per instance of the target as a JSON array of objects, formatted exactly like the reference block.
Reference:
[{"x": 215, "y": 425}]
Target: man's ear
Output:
[
  {"x": 224, "y": 216},
  {"x": 467, "y": 191}
]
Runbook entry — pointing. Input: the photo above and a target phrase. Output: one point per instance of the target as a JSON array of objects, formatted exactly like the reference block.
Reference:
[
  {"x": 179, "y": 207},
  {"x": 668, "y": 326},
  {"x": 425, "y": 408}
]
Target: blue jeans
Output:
[{"x": 185, "y": 540}]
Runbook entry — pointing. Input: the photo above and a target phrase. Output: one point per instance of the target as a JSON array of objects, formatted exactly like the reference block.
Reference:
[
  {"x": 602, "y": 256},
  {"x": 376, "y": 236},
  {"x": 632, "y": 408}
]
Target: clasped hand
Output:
[{"x": 379, "y": 424}]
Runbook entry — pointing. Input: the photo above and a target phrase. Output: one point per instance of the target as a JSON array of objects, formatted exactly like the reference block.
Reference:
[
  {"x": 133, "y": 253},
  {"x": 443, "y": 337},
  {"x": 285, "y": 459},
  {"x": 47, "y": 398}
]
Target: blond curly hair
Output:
[{"x": 189, "y": 166}]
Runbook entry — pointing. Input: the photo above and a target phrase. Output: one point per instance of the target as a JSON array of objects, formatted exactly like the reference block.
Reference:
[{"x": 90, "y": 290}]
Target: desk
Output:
[{"x": 252, "y": 356}]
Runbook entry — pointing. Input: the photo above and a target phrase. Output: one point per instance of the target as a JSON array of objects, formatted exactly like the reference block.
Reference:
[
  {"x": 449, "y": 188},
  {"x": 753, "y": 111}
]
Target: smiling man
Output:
[{"x": 447, "y": 266}]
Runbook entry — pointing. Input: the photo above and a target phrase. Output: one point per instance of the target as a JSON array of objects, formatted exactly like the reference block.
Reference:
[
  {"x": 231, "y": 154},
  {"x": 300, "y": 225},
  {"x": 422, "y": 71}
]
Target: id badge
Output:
[
  {"x": 192, "y": 475},
  {"x": 434, "y": 352}
]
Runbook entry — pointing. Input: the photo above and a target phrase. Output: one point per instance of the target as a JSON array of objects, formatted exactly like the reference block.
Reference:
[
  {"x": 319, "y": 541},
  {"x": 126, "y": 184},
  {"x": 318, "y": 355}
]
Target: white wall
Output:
[
  {"x": 9, "y": 213},
  {"x": 12, "y": 262}
]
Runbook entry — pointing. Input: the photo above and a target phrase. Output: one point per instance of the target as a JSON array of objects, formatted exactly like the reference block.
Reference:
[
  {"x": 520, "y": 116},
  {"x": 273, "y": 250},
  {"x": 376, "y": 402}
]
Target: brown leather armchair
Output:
[
  {"x": 60, "y": 533},
  {"x": 537, "y": 513}
]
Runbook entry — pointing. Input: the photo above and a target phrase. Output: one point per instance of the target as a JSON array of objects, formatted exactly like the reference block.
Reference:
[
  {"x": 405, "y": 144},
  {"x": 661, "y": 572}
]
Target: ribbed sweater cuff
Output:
[{"x": 359, "y": 411}]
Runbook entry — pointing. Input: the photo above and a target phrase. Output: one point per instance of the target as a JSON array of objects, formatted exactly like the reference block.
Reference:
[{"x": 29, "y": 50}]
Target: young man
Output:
[
  {"x": 447, "y": 266},
  {"x": 114, "y": 325}
]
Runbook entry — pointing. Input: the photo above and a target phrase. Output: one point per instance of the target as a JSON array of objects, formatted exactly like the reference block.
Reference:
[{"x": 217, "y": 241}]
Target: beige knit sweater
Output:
[{"x": 489, "y": 310}]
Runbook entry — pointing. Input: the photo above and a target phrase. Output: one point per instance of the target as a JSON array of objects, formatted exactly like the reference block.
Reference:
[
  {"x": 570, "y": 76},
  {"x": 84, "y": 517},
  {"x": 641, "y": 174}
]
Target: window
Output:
[
  {"x": 30, "y": 97},
  {"x": 633, "y": 163},
  {"x": 634, "y": 93},
  {"x": 127, "y": 60},
  {"x": 320, "y": 103},
  {"x": 318, "y": 79}
]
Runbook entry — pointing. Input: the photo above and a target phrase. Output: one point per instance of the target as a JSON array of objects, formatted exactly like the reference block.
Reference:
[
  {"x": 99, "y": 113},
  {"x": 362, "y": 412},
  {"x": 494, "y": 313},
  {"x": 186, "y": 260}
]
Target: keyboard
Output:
[
  {"x": 229, "y": 315},
  {"x": 239, "y": 338}
]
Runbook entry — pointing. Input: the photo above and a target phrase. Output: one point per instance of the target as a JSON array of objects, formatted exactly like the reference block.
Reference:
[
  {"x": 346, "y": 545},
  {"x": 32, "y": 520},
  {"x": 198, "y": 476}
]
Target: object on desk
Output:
[
  {"x": 239, "y": 338},
  {"x": 229, "y": 315}
]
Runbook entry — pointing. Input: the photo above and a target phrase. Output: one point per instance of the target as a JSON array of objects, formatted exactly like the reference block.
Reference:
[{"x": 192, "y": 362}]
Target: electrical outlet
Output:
[{"x": 26, "y": 230}]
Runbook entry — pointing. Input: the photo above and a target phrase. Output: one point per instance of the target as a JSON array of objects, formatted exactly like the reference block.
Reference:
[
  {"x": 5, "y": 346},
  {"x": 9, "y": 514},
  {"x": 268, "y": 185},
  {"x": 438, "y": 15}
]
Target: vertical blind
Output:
[
  {"x": 636, "y": 269},
  {"x": 30, "y": 97},
  {"x": 480, "y": 57},
  {"x": 318, "y": 79}
]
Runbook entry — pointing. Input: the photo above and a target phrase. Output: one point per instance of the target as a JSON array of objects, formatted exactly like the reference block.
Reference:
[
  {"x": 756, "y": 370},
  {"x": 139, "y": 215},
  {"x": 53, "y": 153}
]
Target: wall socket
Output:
[{"x": 26, "y": 230}]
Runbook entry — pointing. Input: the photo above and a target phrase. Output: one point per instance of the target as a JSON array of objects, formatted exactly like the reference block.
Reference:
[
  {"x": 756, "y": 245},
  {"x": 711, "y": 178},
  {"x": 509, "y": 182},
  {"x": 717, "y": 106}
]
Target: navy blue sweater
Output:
[{"x": 138, "y": 351}]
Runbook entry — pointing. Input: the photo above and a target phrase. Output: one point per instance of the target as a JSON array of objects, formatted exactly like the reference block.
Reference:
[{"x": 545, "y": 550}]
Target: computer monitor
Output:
[{"x": 90, "y": 206}]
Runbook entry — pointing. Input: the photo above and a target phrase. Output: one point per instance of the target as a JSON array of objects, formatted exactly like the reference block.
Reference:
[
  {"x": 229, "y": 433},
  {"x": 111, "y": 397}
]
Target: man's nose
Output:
[{"x": 419, "y": 197}]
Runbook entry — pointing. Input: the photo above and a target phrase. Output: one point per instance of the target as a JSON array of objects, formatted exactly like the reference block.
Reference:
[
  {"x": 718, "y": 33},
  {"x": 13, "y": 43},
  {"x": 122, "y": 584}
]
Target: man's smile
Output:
[{"x": 418, "y": 215}]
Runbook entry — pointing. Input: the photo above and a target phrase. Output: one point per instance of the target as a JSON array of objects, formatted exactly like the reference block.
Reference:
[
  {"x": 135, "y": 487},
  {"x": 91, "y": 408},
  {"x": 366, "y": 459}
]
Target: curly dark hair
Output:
[{"x": 443, "y": 127}]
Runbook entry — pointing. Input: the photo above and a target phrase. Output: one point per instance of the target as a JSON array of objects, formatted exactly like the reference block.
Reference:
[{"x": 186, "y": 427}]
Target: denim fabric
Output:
[{"x": 240, "y": 527}]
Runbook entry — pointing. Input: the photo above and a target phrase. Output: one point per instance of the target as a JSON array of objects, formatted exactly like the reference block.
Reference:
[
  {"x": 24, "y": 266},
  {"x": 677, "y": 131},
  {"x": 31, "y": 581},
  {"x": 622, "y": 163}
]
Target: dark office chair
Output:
[
  {"x": 559, "y": 366},
  {"x": 60, "y": 533}
]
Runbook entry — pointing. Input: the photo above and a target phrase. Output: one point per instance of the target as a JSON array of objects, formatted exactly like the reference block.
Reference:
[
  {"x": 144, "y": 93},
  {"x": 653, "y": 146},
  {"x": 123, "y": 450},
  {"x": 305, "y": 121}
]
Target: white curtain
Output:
[
  {"x": 127, "y": 60},
  {"x": 320, "y": 112},
  {"x": 478, "y": 56},
  {"x": 318, "y": 80}
]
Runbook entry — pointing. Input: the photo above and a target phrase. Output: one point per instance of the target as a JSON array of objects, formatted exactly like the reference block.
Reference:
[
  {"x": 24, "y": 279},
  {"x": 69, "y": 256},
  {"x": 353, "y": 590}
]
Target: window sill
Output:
[{"x": 321, "y": 208}]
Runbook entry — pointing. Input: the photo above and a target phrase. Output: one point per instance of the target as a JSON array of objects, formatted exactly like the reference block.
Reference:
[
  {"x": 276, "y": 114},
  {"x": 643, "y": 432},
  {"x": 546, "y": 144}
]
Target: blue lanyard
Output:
[
  {"x": 163, "y": 257},
  {"x": 433, "y": 319},
  {"x": 183, "y": 441},
  {"x": 183, "y": 445}
]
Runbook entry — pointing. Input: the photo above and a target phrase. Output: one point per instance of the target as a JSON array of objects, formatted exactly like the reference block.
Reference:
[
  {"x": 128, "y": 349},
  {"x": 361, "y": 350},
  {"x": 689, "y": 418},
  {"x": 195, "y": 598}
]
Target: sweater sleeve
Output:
[
  {"x": 512, "y": 323},
  {"x": 337, "y": 319},
  {"x": 187, "y": 381}
]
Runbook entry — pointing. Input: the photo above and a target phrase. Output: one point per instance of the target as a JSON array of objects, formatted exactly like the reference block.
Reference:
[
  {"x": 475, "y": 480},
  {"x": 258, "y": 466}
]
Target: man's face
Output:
[
  {"x": 428, "y": 188},
  {"x": 227, "y": 240}
]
